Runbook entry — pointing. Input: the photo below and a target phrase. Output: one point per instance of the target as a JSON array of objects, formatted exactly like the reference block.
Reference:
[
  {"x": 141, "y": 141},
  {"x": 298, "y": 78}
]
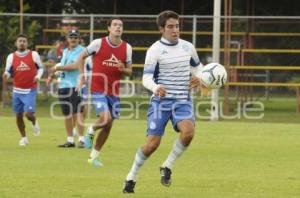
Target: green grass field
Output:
[{"x": 226, "y": 159}]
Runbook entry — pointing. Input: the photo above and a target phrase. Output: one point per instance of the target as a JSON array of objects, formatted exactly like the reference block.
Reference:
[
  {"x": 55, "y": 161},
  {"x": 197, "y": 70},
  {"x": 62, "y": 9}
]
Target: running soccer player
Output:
[
  {"x": 25, "y": 67},
  {"x": 172, "y": 68},
  {"x": 111, "y": 59}
]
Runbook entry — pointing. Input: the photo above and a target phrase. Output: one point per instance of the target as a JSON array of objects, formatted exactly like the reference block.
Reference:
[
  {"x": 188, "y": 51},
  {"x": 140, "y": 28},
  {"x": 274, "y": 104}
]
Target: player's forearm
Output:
[
  {"x": 80, "y": 65},
  {"x": 80, "y": 62},
  {"x": 8, "y": 75},
  {"x": 149, "y": 83},
  {"x": 197, "y": 71},
  {"x": 127, "y": 72},
  {"x": 40, "y": 73},
  {"x": 8, "y": 67},
  {"x": 5, "y": 77},
  {"x": 68, "y": 67}
]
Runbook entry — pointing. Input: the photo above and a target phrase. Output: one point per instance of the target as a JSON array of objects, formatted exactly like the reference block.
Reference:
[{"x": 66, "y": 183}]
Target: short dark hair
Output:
[
  {"x": 22, "y": 36},
  {"x": 111, "y": 19},
  {"x": 164, "y": 16}
]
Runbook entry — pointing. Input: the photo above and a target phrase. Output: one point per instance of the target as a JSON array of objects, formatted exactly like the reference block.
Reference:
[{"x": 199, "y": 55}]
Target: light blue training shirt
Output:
[{"x": 69, "y": 79}]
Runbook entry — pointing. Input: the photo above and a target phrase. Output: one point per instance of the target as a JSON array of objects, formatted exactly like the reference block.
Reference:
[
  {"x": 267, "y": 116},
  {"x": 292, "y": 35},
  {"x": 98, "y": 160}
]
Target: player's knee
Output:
[
  {"x": 19, "y": 115},
  {"x": 29, "y": 115},
  {"x": 187, "y": 136},
  {"x": 152, "y": 146},
  {"x": 107, "y": 123}
]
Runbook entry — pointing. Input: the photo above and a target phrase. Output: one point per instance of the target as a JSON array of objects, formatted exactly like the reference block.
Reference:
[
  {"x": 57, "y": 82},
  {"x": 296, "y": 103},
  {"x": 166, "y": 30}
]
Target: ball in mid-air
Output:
[{"x": 214, "y": 75}]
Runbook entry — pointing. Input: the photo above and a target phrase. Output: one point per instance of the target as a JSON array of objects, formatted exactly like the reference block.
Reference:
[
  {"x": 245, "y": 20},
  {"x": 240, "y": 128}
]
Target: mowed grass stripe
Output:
[{"x": 226, "y": 159}]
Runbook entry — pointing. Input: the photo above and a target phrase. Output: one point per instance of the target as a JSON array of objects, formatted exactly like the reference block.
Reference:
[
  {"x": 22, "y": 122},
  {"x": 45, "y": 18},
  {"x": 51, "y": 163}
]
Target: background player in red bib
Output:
[
  {"x": 111, "y": 59},
  {"x": 25, "y": 67}
]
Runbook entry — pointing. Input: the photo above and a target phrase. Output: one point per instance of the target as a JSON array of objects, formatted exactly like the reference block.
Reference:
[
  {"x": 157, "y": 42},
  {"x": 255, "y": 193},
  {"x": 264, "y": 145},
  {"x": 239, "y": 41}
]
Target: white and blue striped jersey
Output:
[{"x": 170, "y": 66}]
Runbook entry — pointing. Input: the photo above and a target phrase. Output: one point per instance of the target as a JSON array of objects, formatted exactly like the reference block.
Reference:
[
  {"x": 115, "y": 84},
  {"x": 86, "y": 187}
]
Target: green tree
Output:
[{"x": 10, "y": 28}]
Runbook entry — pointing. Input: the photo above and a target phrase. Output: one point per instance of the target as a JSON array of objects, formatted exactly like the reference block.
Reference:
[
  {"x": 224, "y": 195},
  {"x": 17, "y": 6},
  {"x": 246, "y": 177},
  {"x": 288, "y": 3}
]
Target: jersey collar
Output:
[
  {"x": 110, "y": 43},
  {"x": 166, "y": 42},
  {"x": 22, "y": 53}
]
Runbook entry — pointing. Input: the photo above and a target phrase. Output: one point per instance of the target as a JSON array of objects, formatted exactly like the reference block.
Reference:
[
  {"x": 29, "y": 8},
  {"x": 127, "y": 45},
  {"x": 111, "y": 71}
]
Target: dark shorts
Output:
[{"x": 70, "y": 101}]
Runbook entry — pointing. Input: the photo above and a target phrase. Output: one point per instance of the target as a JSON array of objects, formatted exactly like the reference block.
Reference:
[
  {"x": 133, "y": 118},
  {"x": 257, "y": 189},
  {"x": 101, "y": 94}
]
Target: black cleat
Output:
[
  {"x": 67, "y": 145},
  {"x": 129, "y": 186},
  {"x": 165, "y": 176}
]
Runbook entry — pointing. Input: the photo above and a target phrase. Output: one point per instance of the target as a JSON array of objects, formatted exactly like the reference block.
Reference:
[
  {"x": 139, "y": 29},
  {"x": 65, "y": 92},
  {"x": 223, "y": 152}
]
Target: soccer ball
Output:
[{"x": 214, "y": 75}]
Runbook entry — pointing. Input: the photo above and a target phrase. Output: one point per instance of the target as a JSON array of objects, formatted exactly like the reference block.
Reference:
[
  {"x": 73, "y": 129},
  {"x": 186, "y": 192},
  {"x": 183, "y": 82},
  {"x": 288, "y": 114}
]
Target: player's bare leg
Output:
[
  {"x": 187, "y": 131},
  {"x": 35, "y": 125},
  {"x": 69, "y": 125},
  {"x": 186, "y": 128},
  {"x": 151, "y": 144},
  {"x": 20, "y": 124},
  {"x": 104, "y": 122},
  {"x": 78, "y": 121},
  {"x": 103, "y": 135},
  {"x": 21, "y": 127},
  {"x": 103, "y": 119},
  {"x": 30, "y": 116}
]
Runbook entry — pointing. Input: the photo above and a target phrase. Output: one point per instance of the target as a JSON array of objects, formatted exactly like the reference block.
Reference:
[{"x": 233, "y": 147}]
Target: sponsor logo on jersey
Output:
[
  {"x": 23, "y": 67},
  {"x": 111, "y": 62}
]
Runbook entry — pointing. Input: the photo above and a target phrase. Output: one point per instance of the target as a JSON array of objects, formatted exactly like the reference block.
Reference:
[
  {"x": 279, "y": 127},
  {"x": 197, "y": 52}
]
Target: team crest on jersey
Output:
[
  {"x": 23, "y": 67},
  {"x": 111, "y": 62},
  {"x": 164, "y": 52}
]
